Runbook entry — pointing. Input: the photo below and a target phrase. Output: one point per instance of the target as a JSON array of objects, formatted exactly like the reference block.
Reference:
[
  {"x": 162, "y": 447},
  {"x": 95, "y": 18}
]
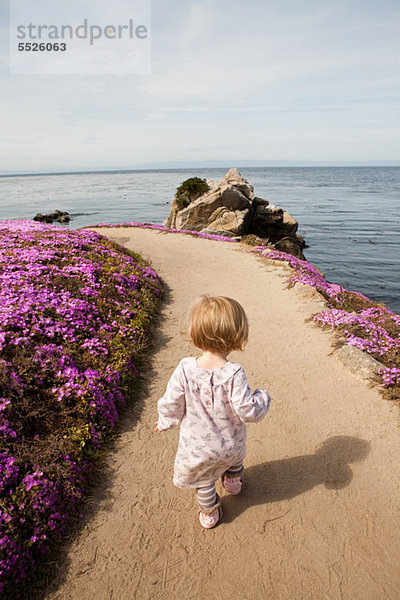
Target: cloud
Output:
[{"x": 256, "y": 80}]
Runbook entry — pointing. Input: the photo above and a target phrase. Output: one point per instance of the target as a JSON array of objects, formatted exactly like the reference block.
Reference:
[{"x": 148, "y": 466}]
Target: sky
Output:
[{"x": 231, "y": 82}]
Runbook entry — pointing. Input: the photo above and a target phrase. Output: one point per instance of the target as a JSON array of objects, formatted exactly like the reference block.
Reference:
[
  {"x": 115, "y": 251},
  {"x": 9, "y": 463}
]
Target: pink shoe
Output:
[
  {"x": 210, "y": 519},
  {"x": 233, "y": 485}
]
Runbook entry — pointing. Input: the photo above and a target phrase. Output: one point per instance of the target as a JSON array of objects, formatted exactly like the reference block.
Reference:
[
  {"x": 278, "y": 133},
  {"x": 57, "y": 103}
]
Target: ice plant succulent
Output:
[
  {"x": 74, "y": 316},
  {"x": 369, "y": 326}
]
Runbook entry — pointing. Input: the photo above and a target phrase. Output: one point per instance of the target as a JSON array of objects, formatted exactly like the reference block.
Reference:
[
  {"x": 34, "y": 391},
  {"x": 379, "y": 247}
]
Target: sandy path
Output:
[{"x": 319, "y": 517}]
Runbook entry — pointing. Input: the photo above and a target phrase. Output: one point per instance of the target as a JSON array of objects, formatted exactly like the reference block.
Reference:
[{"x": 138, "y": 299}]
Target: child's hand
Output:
[{"x": 156, "y": 430}]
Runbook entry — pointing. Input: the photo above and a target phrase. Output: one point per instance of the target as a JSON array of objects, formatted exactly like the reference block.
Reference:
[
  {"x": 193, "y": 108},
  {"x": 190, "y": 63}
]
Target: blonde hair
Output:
[{"x": 218, "y": 323}]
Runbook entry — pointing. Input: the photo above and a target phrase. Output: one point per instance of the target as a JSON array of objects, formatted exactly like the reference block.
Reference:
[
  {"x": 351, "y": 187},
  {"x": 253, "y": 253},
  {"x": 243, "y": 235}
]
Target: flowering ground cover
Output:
[
  {"x": 74, "y": 315},
  {"x": 360, "y": 322}
]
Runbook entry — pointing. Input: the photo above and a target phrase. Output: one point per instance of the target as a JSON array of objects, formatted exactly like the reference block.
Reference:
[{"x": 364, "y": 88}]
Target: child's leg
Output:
[
  {"x": 235, "y": 470},
  {"x": 231, "y": 479},
  {"x": 206, "y": 497},
  {"x": 210, "y": 507}
]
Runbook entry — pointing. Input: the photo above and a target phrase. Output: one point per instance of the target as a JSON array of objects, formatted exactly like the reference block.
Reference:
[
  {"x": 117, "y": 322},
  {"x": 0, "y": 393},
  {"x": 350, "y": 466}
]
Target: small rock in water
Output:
[{"x": 58, "y": 215}]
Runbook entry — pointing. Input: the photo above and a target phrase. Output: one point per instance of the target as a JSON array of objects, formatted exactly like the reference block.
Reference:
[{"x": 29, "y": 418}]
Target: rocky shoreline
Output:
[{"x": 229, "y": 207}]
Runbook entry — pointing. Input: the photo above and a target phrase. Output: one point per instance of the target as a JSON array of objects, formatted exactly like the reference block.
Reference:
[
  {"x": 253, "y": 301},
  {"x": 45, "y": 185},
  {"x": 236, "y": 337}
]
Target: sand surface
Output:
[{"x": 319, "y": 516}]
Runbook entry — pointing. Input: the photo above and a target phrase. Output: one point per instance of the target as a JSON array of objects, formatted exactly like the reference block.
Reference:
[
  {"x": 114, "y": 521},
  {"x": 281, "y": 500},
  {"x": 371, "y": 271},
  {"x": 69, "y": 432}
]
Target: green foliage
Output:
[{"x": 190, "y": 189}]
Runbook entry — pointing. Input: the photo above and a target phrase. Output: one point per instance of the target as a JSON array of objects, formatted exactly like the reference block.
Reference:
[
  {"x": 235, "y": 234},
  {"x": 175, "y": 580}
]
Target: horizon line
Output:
[{"x": 212, "y": 165}]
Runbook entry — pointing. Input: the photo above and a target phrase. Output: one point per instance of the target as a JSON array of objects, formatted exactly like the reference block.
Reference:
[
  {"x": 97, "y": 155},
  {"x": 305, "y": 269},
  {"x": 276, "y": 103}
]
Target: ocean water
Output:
[{"x": 349, "y": 216}]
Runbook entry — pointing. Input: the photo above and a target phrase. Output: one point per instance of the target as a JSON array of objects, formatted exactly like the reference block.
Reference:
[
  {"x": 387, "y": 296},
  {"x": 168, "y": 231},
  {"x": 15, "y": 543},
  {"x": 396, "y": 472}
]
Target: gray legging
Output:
[{"x": 207, "y": 496}]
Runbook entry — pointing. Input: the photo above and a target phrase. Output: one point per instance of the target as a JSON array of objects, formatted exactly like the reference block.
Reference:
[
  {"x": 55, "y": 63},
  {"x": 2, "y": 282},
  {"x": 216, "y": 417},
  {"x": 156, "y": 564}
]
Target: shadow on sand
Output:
[{"x": 284, "y": 479}]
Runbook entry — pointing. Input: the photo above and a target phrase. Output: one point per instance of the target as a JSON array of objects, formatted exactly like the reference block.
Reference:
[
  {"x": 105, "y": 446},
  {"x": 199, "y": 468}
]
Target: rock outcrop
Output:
[
  {"x": 230, "y": 208},
  {"x": 61, "y": 217}
]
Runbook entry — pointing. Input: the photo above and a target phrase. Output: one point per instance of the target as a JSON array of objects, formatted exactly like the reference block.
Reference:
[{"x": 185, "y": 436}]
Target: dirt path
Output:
[{"x": 319, "y": 517}]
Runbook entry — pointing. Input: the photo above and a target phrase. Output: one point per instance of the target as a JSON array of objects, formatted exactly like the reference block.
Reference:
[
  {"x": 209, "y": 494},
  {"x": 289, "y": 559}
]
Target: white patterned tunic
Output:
[{"x": 212, "y": 406}]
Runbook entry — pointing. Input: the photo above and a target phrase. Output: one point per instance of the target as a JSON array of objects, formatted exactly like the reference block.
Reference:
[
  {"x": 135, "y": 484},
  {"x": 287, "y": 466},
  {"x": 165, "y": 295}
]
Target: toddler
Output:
[{"x": 211, "y": 398}]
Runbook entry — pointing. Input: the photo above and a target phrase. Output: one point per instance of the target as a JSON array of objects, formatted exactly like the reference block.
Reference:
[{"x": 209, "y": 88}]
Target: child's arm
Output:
[
  {"x": 250, "y": 407},
  {"x": 172, "y": 406}
]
